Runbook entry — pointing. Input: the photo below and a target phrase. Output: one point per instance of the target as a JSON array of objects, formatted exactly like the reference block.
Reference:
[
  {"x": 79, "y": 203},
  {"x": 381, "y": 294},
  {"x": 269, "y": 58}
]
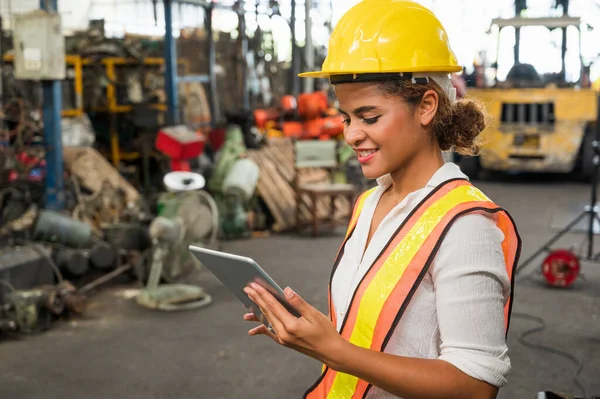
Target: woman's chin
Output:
[{"x": 372, "y": 172}]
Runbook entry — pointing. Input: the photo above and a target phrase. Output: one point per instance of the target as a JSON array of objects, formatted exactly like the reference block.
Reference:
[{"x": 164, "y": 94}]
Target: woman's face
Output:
[{"x": 383, "y": 130}]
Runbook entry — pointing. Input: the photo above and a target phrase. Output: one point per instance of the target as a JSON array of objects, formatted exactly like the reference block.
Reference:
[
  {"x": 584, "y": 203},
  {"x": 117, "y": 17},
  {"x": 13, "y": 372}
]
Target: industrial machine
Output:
[
  {"x": 538, "y": 123},
  {"x": 33, "y": 291},
  {"x": 186, "y": 215},
  {"x": 233, "y": 183},
  {"x": 308, "y": 116}
]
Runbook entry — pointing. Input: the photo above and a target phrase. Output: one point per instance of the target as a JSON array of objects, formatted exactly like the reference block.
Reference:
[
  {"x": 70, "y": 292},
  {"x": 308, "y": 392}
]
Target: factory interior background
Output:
[{"x": 131, "y": 129}]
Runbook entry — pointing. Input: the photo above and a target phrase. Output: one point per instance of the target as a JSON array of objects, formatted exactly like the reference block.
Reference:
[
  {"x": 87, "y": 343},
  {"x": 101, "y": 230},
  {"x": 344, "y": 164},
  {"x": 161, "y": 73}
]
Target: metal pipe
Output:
[
  {"x": 294, "y": 83},
  {"x": 244, "y": 45},
  {"x": 563, "y": 47},
  {"x": 170, "y": 67},
  {"x": 211, "y": 65},
  {"x": 309, "y": 52},
  {"x": 54, "y": 195},
  {"x": 520, "y": 6},
  {"x": 105, "y": 278}
]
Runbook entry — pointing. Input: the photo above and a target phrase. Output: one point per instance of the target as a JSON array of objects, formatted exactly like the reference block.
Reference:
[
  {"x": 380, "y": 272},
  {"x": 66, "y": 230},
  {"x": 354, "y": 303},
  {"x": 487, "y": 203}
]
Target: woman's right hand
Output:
[
  {"x": 261, "y": 329},
  {"x": 250, "y": 317}
]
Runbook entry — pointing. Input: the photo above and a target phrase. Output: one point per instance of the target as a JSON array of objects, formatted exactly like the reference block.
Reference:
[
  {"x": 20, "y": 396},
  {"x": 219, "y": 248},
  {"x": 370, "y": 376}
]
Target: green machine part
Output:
[
  {"x": 233, "y": 215},
  {"x": 231, "y": 150},
  {"x": 168, "y": 204},
  {"x": 199, "y": 216},
  {"x": 234, "y": 218}
]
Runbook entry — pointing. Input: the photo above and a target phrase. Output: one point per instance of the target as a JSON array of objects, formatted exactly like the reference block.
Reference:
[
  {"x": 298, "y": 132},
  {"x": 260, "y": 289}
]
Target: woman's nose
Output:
[{"x": 354, "y": 135}]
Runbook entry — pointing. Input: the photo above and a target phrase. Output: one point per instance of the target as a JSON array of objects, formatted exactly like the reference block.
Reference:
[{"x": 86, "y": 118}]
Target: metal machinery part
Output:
[
  {"x": 32, "y": 310},
  {"x": 74, "y": 262},
  {"x": 237, "y": 191},
  {"x": 55, "y": 227},
  {"x": 196, "y": 215},
  {"x": 231, "y": 150},
  {"x": 184, "y": 217},
  {"x": 233, "y": 183}
]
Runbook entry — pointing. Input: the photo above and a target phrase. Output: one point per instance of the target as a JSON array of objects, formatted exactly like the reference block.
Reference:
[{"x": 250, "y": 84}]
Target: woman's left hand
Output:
[{"x": 312, "y": 334}]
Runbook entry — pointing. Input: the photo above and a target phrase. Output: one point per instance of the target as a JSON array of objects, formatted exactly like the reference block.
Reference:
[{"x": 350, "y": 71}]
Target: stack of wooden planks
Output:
[{"x": 276, "y": 185}]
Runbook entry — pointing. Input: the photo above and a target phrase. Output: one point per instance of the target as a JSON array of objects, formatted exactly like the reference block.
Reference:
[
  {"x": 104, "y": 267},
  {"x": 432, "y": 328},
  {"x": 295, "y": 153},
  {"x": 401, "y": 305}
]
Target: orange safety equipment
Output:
[
  {"x": 288, "y": 103},
  {"x": 312, "y": 105},
  {"x": 386, "y": 290},
  {"x": 387, "y": 36},
  {"x": 261, "y": 117}
]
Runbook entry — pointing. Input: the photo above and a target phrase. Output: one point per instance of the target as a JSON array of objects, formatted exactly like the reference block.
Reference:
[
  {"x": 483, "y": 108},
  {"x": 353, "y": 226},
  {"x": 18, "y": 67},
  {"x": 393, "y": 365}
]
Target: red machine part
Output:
[
  {"x": 261, "y": 118},
  {"x": 288, "y": 103},
  {"x": 312, "y": 105},
  {"x": 180, "y": 144},
  {"x": 292, "y": 129},
  {"x": 216, "y": 138},
  {"x": 333, "y": 125},
  {"x": 561, "y": 268},
  {"x": 314, "y": 118}
]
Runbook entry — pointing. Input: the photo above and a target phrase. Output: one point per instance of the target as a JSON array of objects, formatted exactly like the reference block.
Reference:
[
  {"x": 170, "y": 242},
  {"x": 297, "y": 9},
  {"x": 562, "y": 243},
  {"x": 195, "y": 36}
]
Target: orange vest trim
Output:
[
  {"x": 385, "y": 291},
  {"x": 358, "y": 206}
]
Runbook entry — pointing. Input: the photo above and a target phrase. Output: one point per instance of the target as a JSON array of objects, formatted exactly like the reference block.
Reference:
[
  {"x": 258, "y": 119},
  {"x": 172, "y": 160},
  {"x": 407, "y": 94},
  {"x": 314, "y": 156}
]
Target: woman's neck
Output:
[{"x": 415, "y": 173}]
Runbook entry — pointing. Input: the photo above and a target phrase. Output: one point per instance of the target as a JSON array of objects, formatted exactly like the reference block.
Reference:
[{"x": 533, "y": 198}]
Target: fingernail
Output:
[
  {"x": 289, "y": 293},
  {"x": 254, "y": 285}
]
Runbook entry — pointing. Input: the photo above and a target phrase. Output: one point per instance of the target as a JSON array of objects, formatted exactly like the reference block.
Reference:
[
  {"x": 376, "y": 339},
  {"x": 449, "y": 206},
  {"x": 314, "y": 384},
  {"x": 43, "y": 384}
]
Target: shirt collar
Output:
[{"x": 446, "y": 172}]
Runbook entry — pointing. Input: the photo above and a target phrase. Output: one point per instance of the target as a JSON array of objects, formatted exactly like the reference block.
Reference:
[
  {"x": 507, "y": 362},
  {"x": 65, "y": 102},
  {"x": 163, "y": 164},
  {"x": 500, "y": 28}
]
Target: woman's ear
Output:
[{"x": 428, "y": 107}]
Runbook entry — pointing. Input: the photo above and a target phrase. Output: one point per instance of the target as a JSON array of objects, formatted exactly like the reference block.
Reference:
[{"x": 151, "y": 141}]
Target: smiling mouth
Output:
[{"x": 366, "y": 153}]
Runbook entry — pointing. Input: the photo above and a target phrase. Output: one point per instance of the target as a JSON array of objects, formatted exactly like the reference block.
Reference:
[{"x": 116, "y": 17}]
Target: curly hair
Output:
[{"x": 455, "y": 126}]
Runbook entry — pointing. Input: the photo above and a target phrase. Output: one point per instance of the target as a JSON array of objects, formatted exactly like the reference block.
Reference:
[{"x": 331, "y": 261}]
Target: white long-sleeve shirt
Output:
[{"x": 457, "y": 313}]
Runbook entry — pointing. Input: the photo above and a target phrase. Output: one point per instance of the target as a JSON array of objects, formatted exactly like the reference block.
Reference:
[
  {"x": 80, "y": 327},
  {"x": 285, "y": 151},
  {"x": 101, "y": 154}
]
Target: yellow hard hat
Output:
[{"x": 387, "y": 36}]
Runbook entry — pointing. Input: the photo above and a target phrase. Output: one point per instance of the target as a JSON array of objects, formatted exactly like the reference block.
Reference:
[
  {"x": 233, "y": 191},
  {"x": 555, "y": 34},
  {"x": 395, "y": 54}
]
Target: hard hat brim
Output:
[
  {"x": 315, "y": 74},
  {"x": 327, "y": 74}
]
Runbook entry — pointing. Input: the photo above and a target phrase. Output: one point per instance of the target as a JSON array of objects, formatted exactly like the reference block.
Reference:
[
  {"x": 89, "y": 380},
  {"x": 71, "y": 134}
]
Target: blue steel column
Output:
[
  {"x": 54, "y": 195},
  {"x": 170, "y": 67}
]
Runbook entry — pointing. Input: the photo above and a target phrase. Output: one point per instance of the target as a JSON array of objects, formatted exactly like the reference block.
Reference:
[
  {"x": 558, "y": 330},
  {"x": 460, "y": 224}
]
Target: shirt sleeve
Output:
[{"x": 471, "y": 287}]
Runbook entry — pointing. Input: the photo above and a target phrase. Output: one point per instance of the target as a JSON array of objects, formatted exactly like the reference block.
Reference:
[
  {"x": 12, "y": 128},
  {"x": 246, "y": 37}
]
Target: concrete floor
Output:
[{"x": 119, "y": 350}]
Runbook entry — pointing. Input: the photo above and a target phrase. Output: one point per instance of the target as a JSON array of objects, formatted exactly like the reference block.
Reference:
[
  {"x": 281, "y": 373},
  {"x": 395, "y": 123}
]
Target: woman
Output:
[{"x": 421, "y": 290}]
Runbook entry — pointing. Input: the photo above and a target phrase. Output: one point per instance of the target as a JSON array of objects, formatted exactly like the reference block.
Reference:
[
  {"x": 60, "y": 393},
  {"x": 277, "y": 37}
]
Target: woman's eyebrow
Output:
[{"x": 359, "y": 110}]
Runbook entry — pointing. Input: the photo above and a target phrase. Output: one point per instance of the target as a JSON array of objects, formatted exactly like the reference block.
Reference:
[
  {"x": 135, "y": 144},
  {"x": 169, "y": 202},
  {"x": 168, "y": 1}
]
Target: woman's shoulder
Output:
[
  {"x": 474, "y": 228},
  {"x": 473, "y": 240}
]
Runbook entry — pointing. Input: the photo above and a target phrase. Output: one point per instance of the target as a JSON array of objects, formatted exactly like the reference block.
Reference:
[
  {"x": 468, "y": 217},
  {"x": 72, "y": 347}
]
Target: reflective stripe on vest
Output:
[
  {"x": 387, "y": 288},
  {"x": 358, "y": 206}
]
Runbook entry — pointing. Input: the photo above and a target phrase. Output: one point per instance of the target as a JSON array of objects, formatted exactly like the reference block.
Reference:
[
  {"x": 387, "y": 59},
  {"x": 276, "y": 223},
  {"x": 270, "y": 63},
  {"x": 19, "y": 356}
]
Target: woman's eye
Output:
[
  {"x": 370, "y": 121},
  {"x": 346, "y": 122}
]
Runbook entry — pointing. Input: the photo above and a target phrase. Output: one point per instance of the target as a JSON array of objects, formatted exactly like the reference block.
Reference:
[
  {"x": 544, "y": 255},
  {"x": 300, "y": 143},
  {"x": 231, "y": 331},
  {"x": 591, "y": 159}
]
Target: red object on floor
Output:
[
  {"x": 180, "y": 144},
  {"x": 561, "y": 268}
]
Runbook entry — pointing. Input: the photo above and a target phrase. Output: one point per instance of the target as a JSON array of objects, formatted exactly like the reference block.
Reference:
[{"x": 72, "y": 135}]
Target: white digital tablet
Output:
[{"x": 236, "y": 272}]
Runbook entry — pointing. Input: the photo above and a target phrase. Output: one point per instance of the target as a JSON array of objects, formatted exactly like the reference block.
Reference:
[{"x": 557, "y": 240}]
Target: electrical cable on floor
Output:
[
  {"x": 549, "y": 349},
  {"x": 542, "y": 326}
]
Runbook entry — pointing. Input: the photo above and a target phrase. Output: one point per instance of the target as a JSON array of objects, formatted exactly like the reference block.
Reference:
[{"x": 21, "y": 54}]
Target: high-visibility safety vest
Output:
[{"x": 387, "y": 288}]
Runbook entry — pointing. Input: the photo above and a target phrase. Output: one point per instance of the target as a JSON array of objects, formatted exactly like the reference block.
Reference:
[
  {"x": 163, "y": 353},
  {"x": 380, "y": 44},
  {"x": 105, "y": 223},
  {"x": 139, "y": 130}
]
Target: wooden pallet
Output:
[{"x": 275, "y": 185}]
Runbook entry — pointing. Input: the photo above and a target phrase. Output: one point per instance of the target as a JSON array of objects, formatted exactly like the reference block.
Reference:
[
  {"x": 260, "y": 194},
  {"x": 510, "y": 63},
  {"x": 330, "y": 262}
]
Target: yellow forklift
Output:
[{"x": 538, "y": 123}]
